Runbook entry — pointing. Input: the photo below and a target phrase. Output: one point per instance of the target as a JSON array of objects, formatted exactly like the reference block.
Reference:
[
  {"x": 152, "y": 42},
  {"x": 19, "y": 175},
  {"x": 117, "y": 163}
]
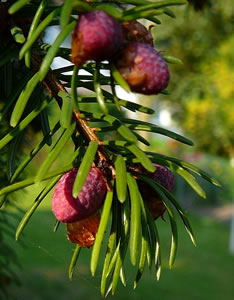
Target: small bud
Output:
[
  {"x": 143, "y": 68},
  {"x": 97, "y": 36},
  {"x": 134, "y": 31},
  {"x": 164, "y": 177},
  {"x": 68, "y": 209}
]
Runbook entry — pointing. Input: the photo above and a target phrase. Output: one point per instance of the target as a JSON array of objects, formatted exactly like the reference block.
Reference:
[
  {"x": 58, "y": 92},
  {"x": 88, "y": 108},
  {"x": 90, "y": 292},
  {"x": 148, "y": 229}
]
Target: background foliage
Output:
[{"x": 202, "y": 100}]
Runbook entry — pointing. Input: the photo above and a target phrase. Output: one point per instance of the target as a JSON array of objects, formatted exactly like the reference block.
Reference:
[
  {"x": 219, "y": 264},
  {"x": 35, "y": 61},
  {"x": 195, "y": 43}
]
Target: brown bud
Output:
[
  {"x": 84, "y": 232},
  {"x": 134, "y": 31},
  {"x": 163, "y": 176}
]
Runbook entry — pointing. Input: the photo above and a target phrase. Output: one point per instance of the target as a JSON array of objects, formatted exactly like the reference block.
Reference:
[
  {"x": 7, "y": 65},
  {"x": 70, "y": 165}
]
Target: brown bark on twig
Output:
[{"x": 54, "y": 86}]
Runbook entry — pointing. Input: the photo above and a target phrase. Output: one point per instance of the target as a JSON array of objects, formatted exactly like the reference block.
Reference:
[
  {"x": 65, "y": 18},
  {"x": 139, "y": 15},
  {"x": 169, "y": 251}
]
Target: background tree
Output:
[{"x": 204, "y": 102}]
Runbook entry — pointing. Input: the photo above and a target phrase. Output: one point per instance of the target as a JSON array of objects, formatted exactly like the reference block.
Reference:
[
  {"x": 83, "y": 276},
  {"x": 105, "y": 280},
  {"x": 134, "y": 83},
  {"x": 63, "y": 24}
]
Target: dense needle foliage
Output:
[{"x": 29, "y": 87}]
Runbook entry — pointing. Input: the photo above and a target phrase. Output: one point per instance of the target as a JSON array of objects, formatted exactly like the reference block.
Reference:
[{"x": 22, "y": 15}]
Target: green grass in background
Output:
[{"x": 202, "y": 273}]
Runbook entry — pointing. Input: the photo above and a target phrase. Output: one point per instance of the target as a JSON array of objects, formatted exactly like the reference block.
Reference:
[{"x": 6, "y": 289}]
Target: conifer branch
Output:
[{"x": 54, "y": 86}]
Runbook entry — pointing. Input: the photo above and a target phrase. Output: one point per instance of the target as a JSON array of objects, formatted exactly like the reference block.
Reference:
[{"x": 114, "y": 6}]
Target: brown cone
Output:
[
  {"x": 152, "y": 200},
  {"x": 163, "y": 176},
  {"x": 134, "y": 31},
  {"x": 84, "y": 232}
]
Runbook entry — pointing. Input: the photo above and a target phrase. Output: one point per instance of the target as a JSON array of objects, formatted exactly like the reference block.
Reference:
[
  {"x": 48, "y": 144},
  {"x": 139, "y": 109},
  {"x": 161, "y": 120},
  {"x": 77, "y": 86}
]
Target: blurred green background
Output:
[
  {"x": 204, "y": 272},
  {"x": 200, "y": 105}
]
